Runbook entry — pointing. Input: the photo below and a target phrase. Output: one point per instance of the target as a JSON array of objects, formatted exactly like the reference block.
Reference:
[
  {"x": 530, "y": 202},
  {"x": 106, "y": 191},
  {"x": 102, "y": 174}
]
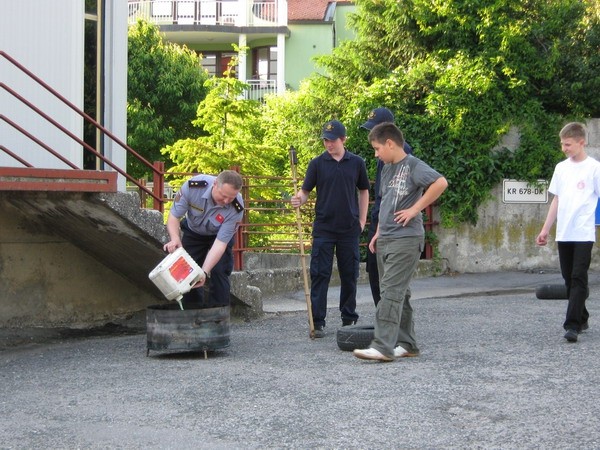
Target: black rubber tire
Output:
[
  {"x": 551, "y": 292},
  {"x": 352, "y": 337}
]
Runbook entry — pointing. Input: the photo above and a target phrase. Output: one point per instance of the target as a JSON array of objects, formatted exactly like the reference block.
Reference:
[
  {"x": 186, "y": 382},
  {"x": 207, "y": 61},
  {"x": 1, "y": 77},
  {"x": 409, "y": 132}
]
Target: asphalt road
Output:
[{"x": 495, "y": 372}]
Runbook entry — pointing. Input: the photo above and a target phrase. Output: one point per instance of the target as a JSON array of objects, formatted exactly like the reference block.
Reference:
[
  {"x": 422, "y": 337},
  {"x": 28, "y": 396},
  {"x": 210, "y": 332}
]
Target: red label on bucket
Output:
[{"x": 180, "y": 269}]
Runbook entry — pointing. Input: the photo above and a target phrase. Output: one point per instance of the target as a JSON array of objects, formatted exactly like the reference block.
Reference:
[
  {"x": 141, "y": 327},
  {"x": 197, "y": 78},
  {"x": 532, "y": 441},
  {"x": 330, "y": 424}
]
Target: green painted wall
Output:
[
  {"x": 309, "y": 40},
  {"x": 343, "y": 32},
  {"x": 305, "y": 42}
]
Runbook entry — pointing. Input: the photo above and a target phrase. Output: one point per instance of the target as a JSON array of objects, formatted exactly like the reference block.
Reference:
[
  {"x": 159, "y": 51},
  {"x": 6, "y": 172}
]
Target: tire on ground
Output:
[
  {"x": 551, "y": 292},
  {"x": 352, "y": 337}
]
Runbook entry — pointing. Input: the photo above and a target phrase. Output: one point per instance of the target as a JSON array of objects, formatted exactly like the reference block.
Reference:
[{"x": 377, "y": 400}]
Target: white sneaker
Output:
[
  {"x": 401, "y": 352},
  {"x": 371, "y": 354}
]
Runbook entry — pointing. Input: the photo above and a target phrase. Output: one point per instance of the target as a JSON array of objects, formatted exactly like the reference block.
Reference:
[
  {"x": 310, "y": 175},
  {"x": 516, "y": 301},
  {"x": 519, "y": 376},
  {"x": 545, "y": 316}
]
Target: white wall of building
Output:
[{"x": 46, "y": 37}]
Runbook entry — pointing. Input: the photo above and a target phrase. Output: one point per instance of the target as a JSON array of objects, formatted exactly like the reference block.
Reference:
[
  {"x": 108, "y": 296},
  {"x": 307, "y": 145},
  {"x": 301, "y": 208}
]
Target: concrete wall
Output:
[
  {"x": 75, "y": 259},
  {"x": 504, "y": 237},
  {"x": 269, "y": 274},
  {"x": 47, "y": 281}
]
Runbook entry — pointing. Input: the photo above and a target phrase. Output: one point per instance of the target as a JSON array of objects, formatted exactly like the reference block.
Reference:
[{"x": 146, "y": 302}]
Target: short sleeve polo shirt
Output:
[{"x": 336, "y": 183}]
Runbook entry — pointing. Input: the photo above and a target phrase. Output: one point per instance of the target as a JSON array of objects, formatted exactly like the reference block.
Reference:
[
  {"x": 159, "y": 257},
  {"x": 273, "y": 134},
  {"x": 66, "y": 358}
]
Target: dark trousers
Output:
[
  {"x": 372, "y": 269},
  {"x": 216, "y": 292},
  {"x": 321, "y": 266},
  {"x": 575, "y": 258}
]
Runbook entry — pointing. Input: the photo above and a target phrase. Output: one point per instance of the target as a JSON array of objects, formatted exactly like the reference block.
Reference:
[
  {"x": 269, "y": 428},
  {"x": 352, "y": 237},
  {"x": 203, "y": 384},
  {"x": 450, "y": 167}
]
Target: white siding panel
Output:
[
  {"x": 47, "y": 37},
  {"x": 115, "y": 82}
]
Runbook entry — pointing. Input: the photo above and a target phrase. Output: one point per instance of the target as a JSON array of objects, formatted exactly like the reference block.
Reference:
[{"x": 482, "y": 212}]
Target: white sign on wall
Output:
[{"x": 514, "y": 191}]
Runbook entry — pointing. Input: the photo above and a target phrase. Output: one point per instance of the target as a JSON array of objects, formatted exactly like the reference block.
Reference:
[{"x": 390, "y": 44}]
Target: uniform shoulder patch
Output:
[
  {"x": 197, "y": 183},
  {"x": 237, "y": 205}
]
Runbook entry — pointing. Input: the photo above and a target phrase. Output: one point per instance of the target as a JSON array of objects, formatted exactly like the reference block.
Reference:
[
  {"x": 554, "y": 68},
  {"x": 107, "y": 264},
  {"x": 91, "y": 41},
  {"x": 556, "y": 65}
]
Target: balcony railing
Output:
[
  {"x": 239, "y": 13},
  {"x": 257, "y": 89}
]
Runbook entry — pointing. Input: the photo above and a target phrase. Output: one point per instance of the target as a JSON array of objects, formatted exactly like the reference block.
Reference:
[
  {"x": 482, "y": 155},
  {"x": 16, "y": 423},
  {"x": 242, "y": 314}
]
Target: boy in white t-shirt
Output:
[{"x": 576, "y": 188}]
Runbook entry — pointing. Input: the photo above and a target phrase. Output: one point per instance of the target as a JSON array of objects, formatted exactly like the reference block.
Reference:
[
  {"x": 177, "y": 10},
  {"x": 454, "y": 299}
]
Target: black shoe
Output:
[
  {"x": 319, "y": 331},
  {"x": 571, "y": 335},
  {"x": 346, "y": 322},
  {"x": 584, "y": 326}
]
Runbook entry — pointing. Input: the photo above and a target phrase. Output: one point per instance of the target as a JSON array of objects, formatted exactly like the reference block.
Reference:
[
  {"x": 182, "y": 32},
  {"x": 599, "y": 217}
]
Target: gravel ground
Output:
[{"x": 495, "y": 372}]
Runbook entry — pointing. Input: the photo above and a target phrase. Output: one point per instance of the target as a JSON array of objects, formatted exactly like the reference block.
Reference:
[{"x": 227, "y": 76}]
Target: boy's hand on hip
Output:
[{"x": 404, "y": 216}]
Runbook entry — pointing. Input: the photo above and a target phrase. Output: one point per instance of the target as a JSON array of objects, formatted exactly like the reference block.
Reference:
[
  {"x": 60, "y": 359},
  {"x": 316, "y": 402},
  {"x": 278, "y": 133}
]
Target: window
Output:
[
  {"x": 216, "y": 62},
  {"x": 264, "y": 63}
]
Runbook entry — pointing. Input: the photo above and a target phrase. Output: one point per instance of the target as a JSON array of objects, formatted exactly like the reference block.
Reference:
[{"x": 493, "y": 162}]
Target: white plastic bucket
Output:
[{"x": 176, "y": 274}]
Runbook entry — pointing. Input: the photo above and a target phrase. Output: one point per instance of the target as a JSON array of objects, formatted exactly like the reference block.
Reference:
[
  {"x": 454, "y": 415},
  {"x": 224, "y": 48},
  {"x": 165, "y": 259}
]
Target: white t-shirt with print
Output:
[{"x": 577, "y": 185}]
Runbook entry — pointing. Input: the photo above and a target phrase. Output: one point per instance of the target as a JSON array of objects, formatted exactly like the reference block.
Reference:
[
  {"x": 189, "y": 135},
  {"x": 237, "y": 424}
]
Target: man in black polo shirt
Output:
[{"x": 342, "y": 184}]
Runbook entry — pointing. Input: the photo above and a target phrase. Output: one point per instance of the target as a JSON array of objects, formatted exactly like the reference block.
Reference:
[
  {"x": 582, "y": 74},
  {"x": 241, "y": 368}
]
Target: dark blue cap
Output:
[
  {"x": 333, "y": 130},
  {"x": 377, "y": 116}
]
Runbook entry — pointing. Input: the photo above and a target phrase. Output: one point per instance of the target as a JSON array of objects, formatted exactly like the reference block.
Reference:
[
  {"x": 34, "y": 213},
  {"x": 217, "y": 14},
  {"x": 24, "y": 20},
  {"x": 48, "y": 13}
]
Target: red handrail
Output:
[
  {"x": 15, "y": 156},
  {"x": 158, "y": 200},
  {"x": 38, "y": 142}
]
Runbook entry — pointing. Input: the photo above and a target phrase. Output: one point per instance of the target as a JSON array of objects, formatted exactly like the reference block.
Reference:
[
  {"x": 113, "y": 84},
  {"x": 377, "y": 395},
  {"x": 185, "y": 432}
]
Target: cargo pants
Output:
[{"x": 397, "y": 260}]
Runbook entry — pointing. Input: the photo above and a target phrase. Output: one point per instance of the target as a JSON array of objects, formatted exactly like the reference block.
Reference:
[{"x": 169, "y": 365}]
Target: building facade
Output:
[
  {"x": 79, "y": 51},
  {"x": 280, "y": 37}
]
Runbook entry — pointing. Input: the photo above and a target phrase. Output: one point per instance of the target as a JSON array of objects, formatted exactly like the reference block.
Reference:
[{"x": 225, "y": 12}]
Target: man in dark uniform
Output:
[
  {"x": 342, "y": 184},
  {"x": 377, "y": 116},
  {"x": 207, "y": 209}
]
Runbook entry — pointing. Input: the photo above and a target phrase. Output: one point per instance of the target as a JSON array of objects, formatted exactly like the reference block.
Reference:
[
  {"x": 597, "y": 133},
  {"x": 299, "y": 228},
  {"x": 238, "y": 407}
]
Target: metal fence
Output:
[{"x": 270, "y": 223}]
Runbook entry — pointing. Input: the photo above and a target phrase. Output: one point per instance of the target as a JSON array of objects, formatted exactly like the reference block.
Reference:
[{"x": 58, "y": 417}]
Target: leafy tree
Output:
[
  {"x": 233, "y": 136},
  {"x": 230, "y": 132},
  {"x": 165, "y": 86},
  {"x": 460, "y": 74},
  {"x": 295, "y": 120}
]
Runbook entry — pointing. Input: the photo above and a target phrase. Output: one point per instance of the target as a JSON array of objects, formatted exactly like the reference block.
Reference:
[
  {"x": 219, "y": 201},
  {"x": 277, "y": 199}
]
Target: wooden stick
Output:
[{"x": 311, "y": 324}]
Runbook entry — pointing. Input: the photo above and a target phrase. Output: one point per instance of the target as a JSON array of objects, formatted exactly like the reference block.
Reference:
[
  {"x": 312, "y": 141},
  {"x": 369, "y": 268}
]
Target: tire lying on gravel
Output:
[
  {"x": 352, "y": 337},
  {"x": 551, "y": 292}
]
